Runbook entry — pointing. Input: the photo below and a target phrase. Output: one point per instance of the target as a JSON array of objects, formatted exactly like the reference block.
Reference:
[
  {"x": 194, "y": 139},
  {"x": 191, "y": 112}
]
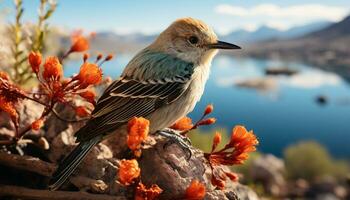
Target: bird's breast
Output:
[{"x": 168, "y": 115}]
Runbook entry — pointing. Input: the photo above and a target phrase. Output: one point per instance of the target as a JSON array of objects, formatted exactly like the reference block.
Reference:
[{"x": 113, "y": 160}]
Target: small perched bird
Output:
[{"x": 162, "y": 83}]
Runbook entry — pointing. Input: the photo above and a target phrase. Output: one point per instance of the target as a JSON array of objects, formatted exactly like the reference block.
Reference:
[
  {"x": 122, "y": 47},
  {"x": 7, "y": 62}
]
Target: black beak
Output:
[{"x": 223, "y": 45}]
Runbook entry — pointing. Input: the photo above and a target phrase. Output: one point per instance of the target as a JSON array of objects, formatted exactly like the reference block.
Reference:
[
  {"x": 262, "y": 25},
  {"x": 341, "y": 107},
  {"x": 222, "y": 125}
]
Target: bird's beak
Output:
[{"x": 222, "y": 45}]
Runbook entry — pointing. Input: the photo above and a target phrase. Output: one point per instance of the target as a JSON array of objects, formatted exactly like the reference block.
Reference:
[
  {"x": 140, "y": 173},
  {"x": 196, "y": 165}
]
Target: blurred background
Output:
[{"x": 290, "y": 83}]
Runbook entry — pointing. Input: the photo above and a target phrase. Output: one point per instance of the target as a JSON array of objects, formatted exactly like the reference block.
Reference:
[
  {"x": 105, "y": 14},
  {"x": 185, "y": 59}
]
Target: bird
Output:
[{"x": 162, "y": 83}]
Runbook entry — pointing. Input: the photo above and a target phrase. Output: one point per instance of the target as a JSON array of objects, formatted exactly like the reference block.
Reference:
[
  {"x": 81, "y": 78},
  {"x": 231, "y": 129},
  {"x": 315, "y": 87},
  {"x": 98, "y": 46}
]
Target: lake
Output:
[{"x": 282, "y": 113}]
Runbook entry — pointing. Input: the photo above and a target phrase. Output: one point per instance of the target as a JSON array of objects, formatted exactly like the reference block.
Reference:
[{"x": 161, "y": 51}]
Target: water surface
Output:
[{"x": 282, "y": 113}]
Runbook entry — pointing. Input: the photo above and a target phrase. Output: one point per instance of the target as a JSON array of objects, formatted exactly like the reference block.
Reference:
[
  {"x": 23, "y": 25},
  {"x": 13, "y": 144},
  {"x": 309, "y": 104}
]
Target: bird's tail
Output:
[{"x": 71, "y": 162}]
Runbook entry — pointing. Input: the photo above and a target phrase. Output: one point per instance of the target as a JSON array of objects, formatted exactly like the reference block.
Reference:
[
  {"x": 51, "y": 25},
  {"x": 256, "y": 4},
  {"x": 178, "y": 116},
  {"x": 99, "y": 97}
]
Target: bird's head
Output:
[{"x": 190, "y": 40}]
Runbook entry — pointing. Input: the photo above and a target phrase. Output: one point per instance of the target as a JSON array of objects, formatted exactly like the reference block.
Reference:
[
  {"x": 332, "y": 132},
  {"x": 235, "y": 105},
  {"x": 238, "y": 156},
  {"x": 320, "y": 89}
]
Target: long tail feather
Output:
[{"x": 71, "y": 162}]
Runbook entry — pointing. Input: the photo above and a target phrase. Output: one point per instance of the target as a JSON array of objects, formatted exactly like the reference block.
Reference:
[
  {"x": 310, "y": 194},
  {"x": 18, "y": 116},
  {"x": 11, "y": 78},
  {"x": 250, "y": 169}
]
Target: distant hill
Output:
[
  {"x": 268, "y": 33},
  {"x": 109, "y": 41},
  {"x": 328, "y": 48},
  {"x": 336, "y": 30}
]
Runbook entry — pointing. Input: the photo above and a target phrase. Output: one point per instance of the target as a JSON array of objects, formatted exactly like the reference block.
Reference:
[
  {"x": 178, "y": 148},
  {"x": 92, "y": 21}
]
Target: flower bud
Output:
[
  {"x": 208, "y": 109},
  {"x": 208, "y": 121},
  {"x": 85, "y": 57},
  {"x": 109, "y": 57},
  {"x": 34, "y": 59}
]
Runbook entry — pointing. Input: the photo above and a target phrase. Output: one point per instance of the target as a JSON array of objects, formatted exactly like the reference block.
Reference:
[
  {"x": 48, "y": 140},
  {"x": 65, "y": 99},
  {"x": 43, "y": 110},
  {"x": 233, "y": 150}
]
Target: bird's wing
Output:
[{"x": 127, "y": 98}]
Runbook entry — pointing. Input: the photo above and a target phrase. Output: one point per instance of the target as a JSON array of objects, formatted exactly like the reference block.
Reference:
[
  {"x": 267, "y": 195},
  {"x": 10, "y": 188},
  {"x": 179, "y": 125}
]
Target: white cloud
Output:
[{"x": 303, "y": 11}]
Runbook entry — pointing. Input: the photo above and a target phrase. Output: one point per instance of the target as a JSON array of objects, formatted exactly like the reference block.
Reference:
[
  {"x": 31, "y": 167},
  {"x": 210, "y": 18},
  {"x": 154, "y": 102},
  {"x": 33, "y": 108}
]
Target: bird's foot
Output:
[{"x": 174, "y": 137}]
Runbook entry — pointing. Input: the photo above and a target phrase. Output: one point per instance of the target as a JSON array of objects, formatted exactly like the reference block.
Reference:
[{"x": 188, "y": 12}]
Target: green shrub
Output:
[{"x": 309, "y": 160}]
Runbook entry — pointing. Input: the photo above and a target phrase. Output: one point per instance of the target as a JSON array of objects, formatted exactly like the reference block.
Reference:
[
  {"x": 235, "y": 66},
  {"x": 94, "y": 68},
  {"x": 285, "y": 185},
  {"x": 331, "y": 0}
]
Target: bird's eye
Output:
[{"x": 193, "y": 40}]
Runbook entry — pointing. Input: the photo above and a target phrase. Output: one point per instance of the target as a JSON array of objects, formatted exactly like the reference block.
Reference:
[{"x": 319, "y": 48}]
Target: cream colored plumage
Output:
[{"x": 162, "y": 83}]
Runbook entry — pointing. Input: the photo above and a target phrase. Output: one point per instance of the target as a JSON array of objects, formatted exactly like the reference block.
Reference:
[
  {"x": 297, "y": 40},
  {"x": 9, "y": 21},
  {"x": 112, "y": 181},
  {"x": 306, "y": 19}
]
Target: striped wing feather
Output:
[{"x": 126, "y": 98}]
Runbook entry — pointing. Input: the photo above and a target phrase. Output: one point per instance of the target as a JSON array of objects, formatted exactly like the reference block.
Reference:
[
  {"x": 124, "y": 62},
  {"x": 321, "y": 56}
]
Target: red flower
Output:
[
  {"x": 9, "y": 108},
  {"x": 37, "y": 124},
  {"x": 80, "y": 44},
  {"x": 34, "y": 59},
  {"x": 88, "y": 95},
  {"x": 52, "y": 69},
  {"x": 195, "y": 191},
  {"x": 128, "y": 171},
  {"x": 138, "y": 129},
  {"x": 81, "y": 111},
  {"x": 89, "y": 74},
  {"x": 183, "y": 124},
  {"x": 143, "y": 193}
]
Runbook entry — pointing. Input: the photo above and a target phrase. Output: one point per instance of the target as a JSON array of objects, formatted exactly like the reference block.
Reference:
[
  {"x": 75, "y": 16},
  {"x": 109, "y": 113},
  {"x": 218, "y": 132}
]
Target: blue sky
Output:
[{"x": 153, "y": 16}]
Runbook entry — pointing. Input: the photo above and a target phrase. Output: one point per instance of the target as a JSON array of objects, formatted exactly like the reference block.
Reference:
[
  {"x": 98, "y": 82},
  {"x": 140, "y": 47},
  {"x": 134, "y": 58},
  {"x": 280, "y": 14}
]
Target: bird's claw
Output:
[{"x": 174, "y": 137}]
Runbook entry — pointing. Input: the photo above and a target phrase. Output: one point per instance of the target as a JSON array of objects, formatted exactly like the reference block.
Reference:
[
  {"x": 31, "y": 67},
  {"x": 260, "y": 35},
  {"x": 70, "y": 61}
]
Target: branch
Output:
[
  {"x": 26, "y": 193},
  {"x": 27, "y": 163}
]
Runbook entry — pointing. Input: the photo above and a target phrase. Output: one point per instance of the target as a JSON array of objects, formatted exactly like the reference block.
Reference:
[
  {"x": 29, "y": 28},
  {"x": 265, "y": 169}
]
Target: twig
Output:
[
  {"x": 26, "y": 193},
  {"x": 27, "y": 163}
]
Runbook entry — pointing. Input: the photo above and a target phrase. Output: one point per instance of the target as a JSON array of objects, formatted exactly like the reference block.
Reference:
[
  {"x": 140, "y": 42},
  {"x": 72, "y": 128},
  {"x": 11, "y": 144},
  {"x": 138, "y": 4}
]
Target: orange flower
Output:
[
  {"x": 4, "y": 76},
  {"x": 89, "y": 95},
  {"x": 128, "y": 171},
  {"x": 9, "y": 108},
  {"x": 208, "y": 121},
  {"x": 80, "y": 44},
  {"x": 37, "y": 124},
  {"x": 138, "y": 129},
  {"x": 34, "y": 59},
  {"x": 195, "y": 191},
  {"x": 143, "y": 193},
  {"x": 208, "y": 109},
  {"x": 52, "y": 69},
  {"x": 216, "y": 140},
  {"x": 235, "y": 152},
  {"x": 81, "y": 111},
  {"x": 243, "y": 140},
  {"x": 90, "y": 74},
  {"x": 183, "y": 124}
]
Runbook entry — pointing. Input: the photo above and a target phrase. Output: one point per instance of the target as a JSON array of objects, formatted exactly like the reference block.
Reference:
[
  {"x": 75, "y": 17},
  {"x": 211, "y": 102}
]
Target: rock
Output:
[
  {"x": 167, "y": 168},
  {"x": 280, "y": 71},
  {"x": 269, "y": 170},
  {"x": 28, "y": 112},
  {"x": 98, "y": 173},
  {"x": 264, "y": 84}
]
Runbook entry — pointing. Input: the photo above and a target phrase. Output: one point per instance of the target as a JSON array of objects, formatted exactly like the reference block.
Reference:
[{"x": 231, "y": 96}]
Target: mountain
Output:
[
  {"x": 267, "y": 33},
  {"x": 243, "y": 36},
  {"x": 303, "y": 30},
  {"x": 327, "y": 48},
  {"x": 110, "y": 41},
  {"x": 336, "y": 30}
]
